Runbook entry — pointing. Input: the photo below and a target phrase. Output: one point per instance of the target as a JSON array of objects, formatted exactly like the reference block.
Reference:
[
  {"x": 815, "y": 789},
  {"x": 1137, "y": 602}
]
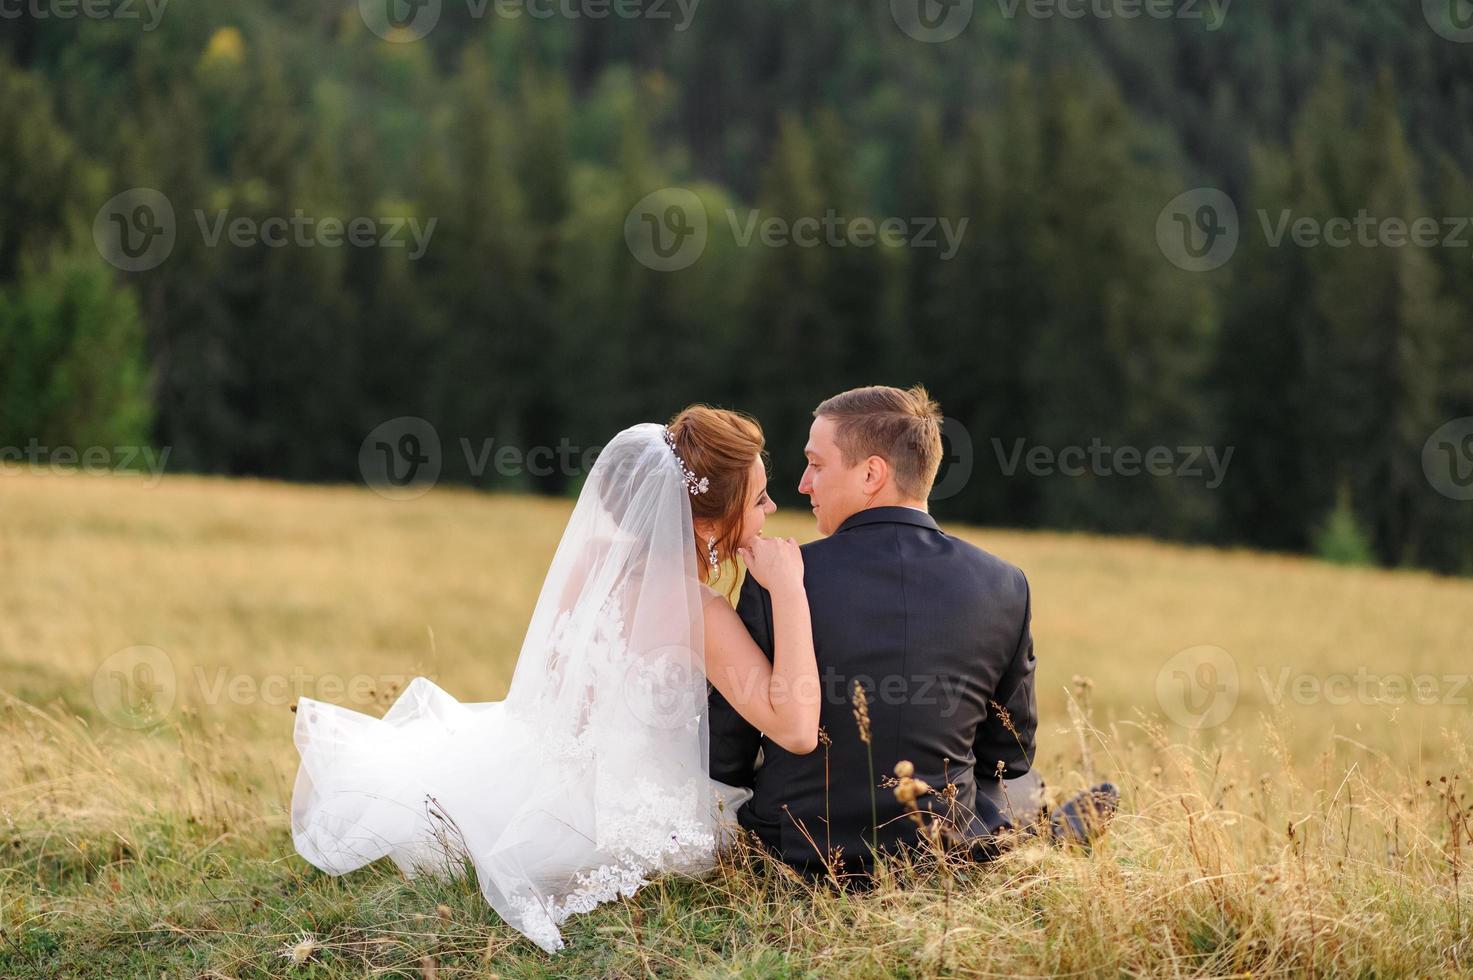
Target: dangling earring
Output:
[{"x": 711, "y": 554}]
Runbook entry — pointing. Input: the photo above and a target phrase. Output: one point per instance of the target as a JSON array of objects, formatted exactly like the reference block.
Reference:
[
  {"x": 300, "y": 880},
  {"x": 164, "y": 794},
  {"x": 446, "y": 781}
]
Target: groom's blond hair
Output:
[{"x": 902, "y": 427}]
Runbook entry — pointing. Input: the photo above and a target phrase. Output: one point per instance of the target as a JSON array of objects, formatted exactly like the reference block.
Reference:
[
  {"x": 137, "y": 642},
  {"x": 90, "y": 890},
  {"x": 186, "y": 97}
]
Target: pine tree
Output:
[
  {"x": 1120, "y": 350},
  {"x": 72, "y": 370},
  {"x": 1378, "y": 325},
  {"x": 793, "y": 346},
  {"x": 477, "y": 270}
]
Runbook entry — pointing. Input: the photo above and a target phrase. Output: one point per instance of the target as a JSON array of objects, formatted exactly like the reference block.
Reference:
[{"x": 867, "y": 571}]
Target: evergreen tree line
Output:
[{"x": 1314, "y": 375}]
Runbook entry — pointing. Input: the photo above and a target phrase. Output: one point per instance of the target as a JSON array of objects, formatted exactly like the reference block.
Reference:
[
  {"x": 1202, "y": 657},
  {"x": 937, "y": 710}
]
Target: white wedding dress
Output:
[{"x": 592, "y": 775}]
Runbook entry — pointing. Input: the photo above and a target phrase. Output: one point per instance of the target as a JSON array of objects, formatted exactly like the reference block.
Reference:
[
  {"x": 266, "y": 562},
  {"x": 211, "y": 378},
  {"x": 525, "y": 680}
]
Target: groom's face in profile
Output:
[{"x": 836, "y": 491}]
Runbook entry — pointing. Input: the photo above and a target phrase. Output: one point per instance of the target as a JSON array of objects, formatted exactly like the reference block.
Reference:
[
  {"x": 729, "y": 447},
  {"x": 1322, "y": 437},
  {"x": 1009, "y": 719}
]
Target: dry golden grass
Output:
[{"x": 141, "y": 852}]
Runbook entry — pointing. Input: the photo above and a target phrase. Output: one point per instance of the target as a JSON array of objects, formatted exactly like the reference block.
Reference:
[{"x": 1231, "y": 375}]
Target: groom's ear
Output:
[{"x": 876, "y": 474}]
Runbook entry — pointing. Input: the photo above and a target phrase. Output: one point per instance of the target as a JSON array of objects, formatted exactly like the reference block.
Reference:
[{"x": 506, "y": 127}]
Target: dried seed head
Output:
[
  {"x": 904, "y": 768},
  {"x": 861, "y": 712},
  {"x": 908, "y": 789},
  {"x": 1006, "y": 718},
  {"x": 301, "y": 950}
]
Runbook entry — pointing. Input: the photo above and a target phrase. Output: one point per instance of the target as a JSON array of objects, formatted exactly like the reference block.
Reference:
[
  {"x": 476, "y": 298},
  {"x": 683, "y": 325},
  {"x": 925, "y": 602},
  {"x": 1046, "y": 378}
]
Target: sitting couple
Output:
[{"x": 644, "y": 711}]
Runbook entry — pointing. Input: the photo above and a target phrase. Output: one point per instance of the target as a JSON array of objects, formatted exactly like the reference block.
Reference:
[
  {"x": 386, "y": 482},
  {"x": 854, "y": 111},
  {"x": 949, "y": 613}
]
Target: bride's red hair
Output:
[{"x": 719, "y": 444}]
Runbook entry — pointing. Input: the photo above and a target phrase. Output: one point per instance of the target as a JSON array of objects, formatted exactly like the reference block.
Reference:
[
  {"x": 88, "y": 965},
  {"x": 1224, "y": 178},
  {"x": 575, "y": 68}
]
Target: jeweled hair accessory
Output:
[{"x": 695, "y": 486}]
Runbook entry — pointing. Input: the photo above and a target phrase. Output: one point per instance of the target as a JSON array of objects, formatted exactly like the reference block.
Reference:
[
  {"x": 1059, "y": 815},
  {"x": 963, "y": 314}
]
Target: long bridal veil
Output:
[{"x": 592, "y": 774}]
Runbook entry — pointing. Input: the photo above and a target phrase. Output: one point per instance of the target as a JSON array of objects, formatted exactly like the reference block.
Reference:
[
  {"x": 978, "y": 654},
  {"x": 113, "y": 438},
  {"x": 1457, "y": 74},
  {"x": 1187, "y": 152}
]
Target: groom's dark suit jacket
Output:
[{"x": 936, "y": 630}]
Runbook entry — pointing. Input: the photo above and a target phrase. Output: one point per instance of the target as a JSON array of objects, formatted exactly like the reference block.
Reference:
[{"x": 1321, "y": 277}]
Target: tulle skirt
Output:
[{"x": 437, "y": 782}]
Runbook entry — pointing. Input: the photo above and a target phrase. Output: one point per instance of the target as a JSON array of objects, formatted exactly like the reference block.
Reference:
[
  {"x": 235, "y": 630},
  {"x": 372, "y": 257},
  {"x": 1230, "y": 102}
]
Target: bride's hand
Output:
[{"x": 776, "y": 563}]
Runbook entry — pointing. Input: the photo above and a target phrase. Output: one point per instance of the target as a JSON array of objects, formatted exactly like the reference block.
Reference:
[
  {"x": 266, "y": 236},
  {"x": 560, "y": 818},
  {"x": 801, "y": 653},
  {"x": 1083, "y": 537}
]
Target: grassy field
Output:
[{"x": 1311, "y": 833}]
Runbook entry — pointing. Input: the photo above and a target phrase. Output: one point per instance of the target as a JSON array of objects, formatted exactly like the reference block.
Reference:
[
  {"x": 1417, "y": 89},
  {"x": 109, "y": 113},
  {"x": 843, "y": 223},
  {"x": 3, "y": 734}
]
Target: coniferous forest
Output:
[{"x": 356, "y": 216}]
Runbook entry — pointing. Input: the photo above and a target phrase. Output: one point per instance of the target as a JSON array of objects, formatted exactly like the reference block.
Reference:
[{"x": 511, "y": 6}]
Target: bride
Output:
[{"x": 592, "y": 775}]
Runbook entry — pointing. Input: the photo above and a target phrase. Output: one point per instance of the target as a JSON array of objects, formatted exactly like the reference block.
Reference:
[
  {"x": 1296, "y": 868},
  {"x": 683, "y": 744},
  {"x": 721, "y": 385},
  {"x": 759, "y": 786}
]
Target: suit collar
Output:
[{"x": 888, "y": 515}]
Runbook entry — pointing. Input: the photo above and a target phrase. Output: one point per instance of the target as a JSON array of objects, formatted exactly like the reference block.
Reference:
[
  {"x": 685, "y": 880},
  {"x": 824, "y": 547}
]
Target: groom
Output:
[{"x": 933, "y": 629}]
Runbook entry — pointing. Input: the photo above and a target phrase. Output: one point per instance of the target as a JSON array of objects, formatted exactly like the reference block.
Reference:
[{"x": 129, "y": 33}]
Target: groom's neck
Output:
[{"x": 897, "y": 501}]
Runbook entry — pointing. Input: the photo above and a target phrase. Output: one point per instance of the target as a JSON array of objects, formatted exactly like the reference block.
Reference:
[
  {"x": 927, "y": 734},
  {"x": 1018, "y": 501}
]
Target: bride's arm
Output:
[{"x": 781, "y": 697}]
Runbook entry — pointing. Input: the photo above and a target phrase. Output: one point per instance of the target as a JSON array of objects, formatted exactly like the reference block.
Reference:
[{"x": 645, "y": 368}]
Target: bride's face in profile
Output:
[{"x": 757, "y": 505}]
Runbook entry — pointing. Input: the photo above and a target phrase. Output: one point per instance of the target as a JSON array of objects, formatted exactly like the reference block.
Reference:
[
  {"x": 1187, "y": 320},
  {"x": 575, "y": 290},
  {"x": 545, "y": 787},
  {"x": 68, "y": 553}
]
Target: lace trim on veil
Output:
[{"x": 646, "y": 829}]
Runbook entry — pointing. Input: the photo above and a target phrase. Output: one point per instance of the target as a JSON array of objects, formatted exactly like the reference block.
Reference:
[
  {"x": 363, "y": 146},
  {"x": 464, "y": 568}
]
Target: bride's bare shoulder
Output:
[{"x": 713, "y": 601}]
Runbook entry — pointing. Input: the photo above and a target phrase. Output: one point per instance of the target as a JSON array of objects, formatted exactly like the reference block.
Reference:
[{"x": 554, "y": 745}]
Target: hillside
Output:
[{"x": 167, "y": 845}]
